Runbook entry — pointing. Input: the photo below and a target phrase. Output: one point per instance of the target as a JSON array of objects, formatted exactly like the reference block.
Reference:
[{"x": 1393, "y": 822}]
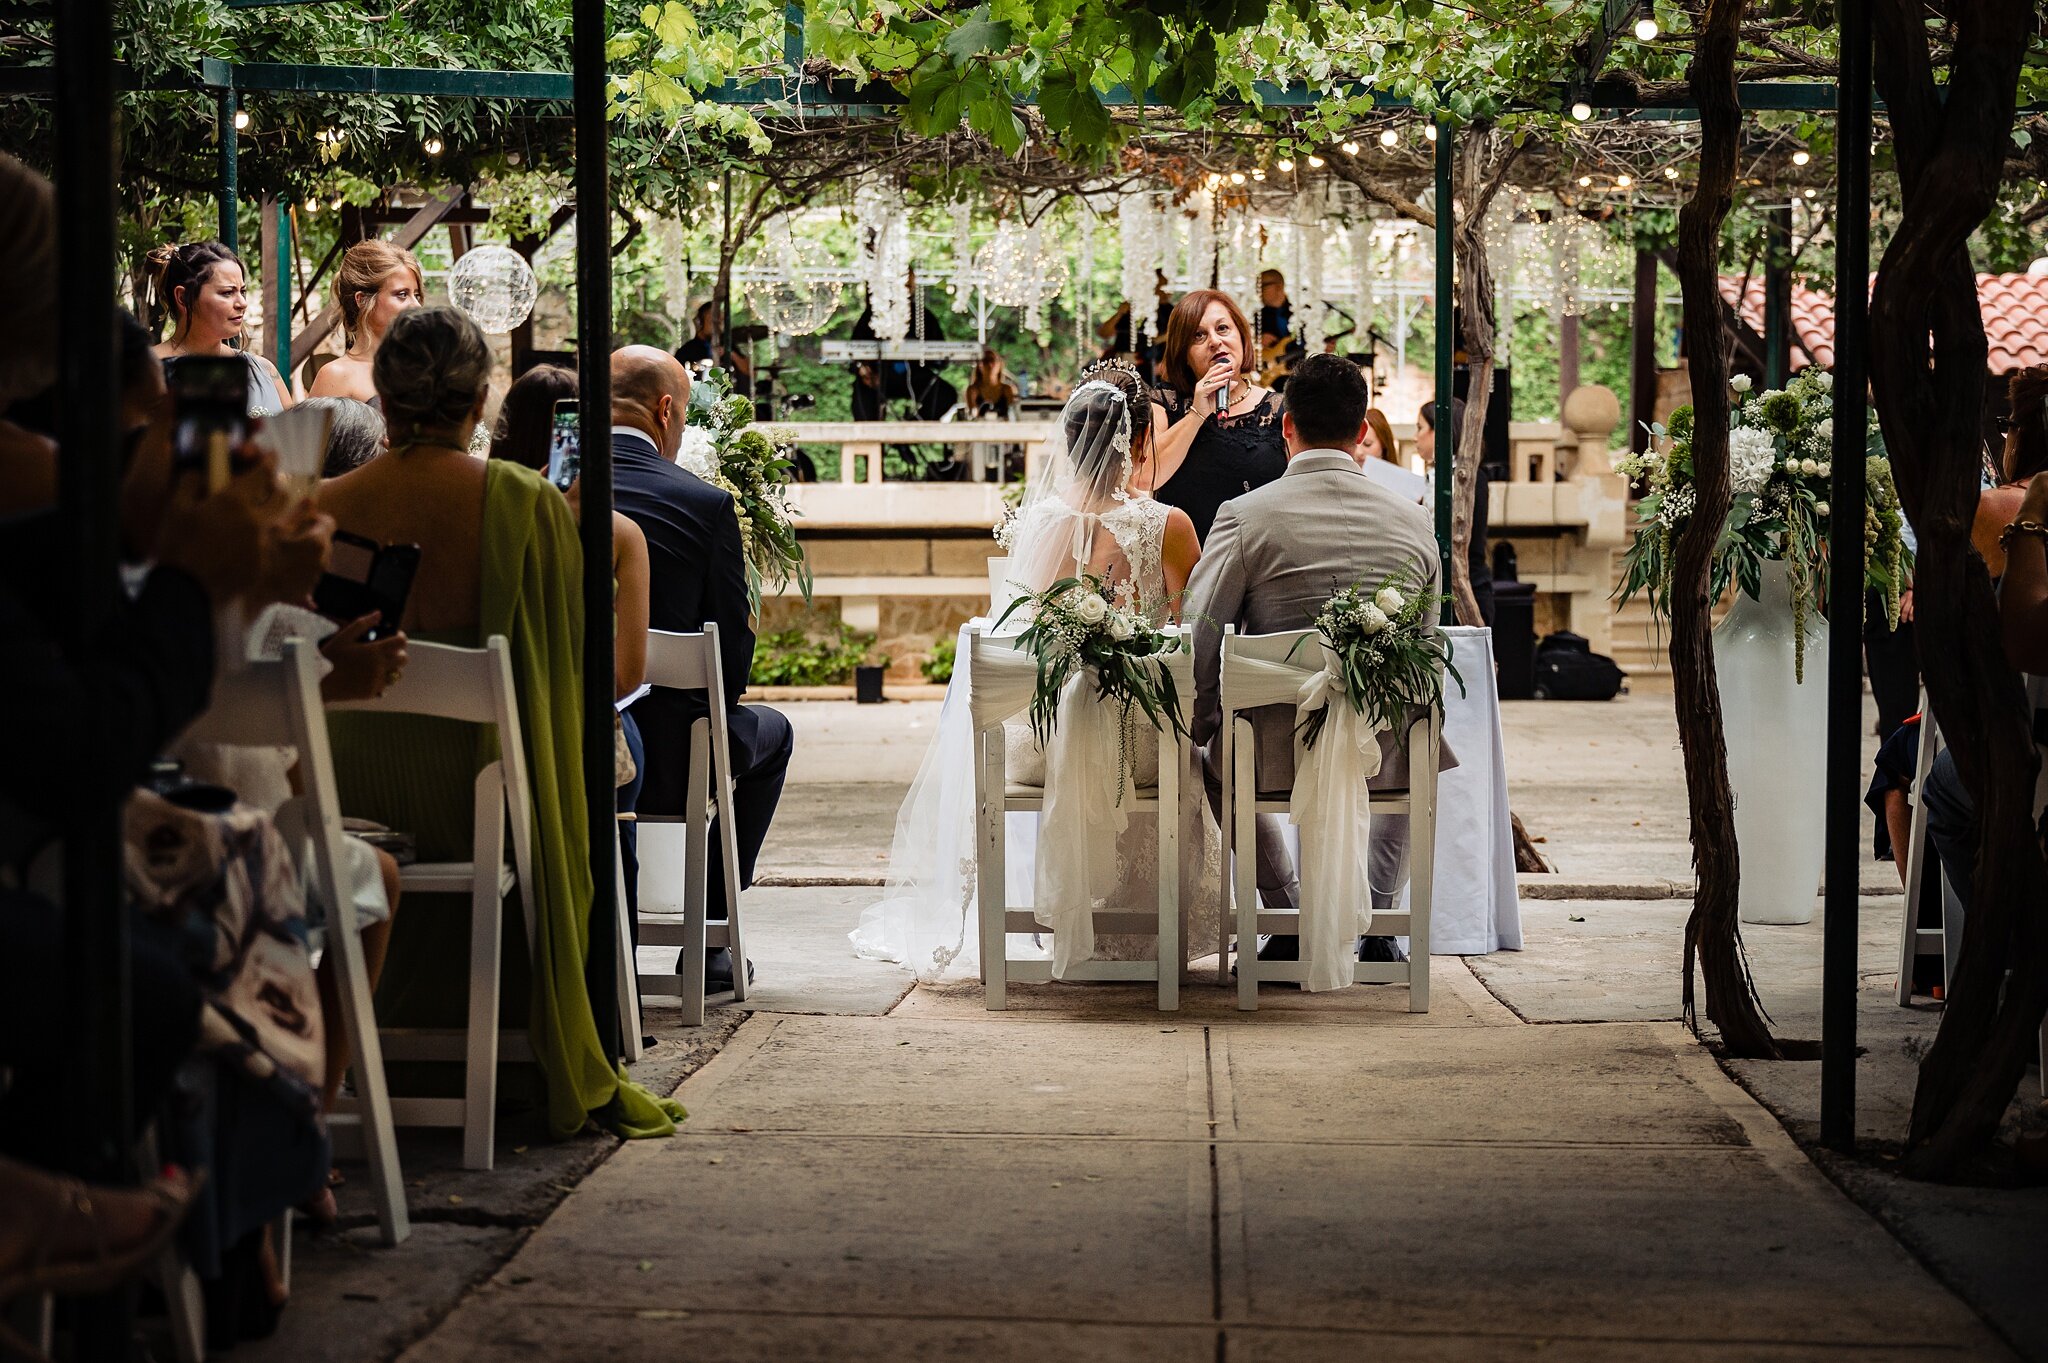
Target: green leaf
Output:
[{"x": 978, "y": 35}]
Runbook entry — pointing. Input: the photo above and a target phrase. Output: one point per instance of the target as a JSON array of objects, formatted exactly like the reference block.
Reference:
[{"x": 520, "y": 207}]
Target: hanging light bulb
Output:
[
  {"x": 1671, "y": 172},
  {"x": 338, "y": 202},
  {"x": 1389, "y": 138},
  {"x": 1259, "y": 174},
  {"x": 1237, "y": 177},
  {"x": 241, "y": 120},
  {"x": 432, "y": 146},
  {"x": 1351, "y": 149},
  {"x": 1429, "y": 131},
  {"x": 1286, "y": 165},
  {"x": 1585, "y": 182},
  {"x": 1215, "y": 179},
  {"x": 1582, "y": 111},
  {"x": 1810, "y": 194},
  {"x": 1646, "y": 30},
  {"x": 1801, "y": 157},
  {"x": 1623, "y": 182}
]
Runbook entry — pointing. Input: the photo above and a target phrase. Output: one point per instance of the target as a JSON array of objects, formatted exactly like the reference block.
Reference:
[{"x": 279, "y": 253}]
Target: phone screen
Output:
[
  {"x": 565, "y": 444},
  {"x": 210, "y": 395}
]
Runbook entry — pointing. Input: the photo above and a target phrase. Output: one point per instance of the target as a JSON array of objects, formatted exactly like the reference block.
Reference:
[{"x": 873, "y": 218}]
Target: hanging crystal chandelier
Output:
[
  {"x": 1018, "y": 269},
  {"x": 785, "y": 288}
]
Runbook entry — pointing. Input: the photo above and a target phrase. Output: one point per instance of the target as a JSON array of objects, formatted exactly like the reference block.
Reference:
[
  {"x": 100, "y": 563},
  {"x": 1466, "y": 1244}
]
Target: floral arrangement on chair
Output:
[
  {"x": 1387, "y": 657},
  {"x": 1780, "y": 456},
  {"x": 1074, "y": 626},
  {"x": 724, "y": 448}
]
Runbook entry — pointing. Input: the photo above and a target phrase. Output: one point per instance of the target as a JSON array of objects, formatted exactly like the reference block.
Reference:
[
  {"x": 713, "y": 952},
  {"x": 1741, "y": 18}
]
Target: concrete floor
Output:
[{"x": 1544, "y": 1165}]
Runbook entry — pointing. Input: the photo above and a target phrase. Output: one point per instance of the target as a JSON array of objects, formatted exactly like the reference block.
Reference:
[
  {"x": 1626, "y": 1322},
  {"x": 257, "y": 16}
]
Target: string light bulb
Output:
[
  {"x": 1429, "y": 131},
  {"x": 1315, "y": 163},
  {"x": 1389, "y": 138},
  {"x": 241, "y": 120},
  {"x": 433, "y": 146},
  {"x": 1286, "y": 165},
  {"x": 1582, "y": 111},
  {"x": 1351, "y": 149},
  {"x": 1810, "y": 194},
  {"x": 1801, "y": 157},
  {"x": 1259, "y": 174},
  {"x": 1671, "y": 172},
  {"x": 1623, "y": 182},
  {"x": 1237, "y": 177},
  {"x": 1585, "y": 182},
  {"x": 1646, "y": 30}
]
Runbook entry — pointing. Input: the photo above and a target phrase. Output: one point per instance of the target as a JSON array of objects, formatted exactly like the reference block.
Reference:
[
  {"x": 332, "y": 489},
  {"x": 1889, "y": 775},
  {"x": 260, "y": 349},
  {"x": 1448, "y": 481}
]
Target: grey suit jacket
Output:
[{"x": 1274, "y": 557}]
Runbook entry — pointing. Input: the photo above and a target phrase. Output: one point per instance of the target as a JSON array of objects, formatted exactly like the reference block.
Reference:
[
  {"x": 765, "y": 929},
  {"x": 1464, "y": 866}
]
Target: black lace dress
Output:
[{"x": 1231, "y": 456}]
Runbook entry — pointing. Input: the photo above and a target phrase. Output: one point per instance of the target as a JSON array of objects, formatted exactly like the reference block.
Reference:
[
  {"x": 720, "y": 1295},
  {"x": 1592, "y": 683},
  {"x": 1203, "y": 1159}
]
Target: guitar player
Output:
[{"x": 1278, "y": 348}]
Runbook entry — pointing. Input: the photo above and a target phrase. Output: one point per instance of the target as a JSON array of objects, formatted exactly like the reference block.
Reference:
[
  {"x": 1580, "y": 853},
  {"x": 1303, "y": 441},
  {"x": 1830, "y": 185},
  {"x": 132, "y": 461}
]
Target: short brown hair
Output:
[
  {"x": 364, "y": 268},
  {"x": 1180, "y": 334}
]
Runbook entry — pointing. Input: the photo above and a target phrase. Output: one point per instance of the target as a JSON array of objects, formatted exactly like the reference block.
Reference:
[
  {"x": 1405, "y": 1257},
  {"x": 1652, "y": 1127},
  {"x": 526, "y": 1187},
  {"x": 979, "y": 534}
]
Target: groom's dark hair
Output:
[{"x": 1327, "y": 397}]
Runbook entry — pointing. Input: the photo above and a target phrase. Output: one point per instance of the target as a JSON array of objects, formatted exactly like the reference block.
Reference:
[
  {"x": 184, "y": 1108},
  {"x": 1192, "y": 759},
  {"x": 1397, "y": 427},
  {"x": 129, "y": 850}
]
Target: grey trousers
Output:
[{"x": 1278, "y": 879}]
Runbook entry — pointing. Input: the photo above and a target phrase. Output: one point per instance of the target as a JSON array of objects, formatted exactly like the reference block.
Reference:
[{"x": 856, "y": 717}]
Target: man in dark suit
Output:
[{"x": 696, "y": 573}]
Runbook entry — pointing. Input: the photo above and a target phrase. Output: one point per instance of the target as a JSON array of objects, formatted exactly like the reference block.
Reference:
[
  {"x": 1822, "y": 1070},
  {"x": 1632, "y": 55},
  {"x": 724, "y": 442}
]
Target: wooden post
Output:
[
  {"x": 1642, "y": 363},
  {"x": 1567, "y": 357}
]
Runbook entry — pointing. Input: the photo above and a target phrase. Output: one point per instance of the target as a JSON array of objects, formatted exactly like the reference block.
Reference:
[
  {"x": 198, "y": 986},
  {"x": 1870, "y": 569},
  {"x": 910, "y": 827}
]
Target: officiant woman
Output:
[{"x": 1217, "y": 432}]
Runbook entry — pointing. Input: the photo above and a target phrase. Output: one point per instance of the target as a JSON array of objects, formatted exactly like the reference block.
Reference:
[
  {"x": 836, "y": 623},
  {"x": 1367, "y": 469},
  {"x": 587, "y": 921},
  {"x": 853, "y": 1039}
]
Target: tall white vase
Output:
[{"x": 1777, "y": 750}]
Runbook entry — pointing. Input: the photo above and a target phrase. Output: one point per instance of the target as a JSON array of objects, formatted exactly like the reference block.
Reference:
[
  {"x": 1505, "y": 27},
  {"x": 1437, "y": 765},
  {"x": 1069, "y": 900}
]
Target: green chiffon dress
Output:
[{"x": 417, "y": 774}]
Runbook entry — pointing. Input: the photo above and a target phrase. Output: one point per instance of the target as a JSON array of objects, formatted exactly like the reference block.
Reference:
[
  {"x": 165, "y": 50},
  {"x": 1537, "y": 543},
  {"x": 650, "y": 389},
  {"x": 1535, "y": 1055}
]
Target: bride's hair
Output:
[{"x": 1137, "y": 401}]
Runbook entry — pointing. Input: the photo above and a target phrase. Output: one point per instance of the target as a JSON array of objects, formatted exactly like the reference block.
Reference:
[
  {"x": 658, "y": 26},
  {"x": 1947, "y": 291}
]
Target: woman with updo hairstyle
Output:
[
  {"x": 204, "y": 291},
  {"x": 1219, "y": 431},
  {"x": 499, "y": 556},
  {"x": 374, "y": 283},
  {"x": 2025, "y": 454}
]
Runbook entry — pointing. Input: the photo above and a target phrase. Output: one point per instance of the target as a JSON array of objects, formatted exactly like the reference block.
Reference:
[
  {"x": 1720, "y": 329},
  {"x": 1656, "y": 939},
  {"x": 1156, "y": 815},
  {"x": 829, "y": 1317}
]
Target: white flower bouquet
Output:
[
  {"x": 1780, "y": 457},
  {"x": 1390, "y": 657},
  {"x": 1074, "y": 626},
  {"x": 724, "y": 448}
]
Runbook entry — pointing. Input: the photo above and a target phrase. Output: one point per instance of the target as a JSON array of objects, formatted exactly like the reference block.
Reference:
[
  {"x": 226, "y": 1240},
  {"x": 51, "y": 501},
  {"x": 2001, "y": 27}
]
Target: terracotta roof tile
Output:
[{"x": 2014, "y": 307}]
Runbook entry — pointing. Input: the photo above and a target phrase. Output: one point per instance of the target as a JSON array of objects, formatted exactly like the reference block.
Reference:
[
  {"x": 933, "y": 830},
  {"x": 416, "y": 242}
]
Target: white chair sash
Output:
[
  {"x": 1086, "y": 796},
  {"x": 1330, "y": 803}
]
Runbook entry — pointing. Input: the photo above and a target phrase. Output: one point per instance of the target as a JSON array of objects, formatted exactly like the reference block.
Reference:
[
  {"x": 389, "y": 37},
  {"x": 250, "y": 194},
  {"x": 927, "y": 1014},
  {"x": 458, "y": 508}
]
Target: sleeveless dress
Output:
[
  {"x": 1230, "y": 456},
  {"x": 1136, "y": 576}
]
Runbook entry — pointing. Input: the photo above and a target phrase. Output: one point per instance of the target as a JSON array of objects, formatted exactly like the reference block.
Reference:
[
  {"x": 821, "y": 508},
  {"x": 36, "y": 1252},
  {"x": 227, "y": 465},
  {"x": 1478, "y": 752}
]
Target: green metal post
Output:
[
  {"x": 281, "y": 293},
  {"x": 1446, "y": 360},
  {"x": 1778, "y": 297},
  {"x": 230, "y": 171}
]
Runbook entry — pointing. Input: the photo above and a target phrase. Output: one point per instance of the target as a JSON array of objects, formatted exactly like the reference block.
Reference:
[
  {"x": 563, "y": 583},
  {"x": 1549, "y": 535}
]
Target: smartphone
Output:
[
  {"x": 364, "y": 577},
  {"x": 210, "y": 414},
  {"x": 565, "y": 445}
]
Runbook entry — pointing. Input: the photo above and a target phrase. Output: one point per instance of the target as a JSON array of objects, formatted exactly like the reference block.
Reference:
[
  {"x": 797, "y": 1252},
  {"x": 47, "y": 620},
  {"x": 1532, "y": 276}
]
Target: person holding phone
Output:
[
  {"x": 203, "y": 288},
  {"x": 1218, "y": 432},
  {"x": 498, "y": 555},
  {"x": 374, "y": 282}
]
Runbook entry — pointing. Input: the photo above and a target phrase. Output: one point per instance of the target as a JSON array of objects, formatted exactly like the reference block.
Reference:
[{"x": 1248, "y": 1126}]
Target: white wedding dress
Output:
[{"x": 1084, "y": 521}]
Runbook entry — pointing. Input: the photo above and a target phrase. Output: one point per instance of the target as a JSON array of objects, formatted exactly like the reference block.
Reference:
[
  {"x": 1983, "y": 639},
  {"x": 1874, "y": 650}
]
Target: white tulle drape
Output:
[{"x": 1330, "y": 804}]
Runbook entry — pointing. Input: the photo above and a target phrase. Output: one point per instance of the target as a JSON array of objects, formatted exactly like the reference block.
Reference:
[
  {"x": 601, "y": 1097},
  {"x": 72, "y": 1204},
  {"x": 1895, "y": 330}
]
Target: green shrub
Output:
[
  {"x": 938, "y": 667},
  {"x": 793, "y": 657}
]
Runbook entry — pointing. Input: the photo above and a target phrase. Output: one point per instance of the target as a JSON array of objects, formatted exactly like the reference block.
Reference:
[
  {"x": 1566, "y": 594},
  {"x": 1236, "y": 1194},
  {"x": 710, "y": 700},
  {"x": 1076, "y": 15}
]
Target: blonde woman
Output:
[{"x": 375, "y": 282}]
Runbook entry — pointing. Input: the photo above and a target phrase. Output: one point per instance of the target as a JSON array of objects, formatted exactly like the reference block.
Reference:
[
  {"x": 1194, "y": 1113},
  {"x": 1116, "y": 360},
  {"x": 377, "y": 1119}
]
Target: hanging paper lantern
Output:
[{"x": 495, "y": 286}]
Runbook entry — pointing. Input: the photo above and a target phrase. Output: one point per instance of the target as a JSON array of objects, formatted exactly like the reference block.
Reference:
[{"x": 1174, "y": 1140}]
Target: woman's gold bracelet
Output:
[{"x": 2034, "y": 528}]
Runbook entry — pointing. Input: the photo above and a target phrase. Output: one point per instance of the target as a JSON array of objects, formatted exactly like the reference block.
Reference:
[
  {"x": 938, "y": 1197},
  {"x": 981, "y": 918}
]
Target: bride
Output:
[{"x": 1080, "y": 518}]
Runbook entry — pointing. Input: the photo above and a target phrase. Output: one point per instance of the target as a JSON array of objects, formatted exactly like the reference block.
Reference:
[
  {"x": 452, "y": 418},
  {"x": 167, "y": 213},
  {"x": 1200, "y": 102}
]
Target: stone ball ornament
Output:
[{"x": 495, "y": 286}]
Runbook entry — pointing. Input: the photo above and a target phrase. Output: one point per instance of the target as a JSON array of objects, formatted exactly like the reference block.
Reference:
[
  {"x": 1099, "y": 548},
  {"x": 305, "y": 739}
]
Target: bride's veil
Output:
[
  {"x": 926, "y": 917},
  {"x": 1084, "y": 472}
]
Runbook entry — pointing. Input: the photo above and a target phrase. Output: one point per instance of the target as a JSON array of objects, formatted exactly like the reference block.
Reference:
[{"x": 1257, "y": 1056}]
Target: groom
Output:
[{"x": 1272, "y": 559}]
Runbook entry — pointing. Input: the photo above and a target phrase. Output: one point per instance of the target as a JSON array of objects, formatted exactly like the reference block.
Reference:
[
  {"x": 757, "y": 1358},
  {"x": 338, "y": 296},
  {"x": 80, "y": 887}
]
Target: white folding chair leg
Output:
[
  {"x": 1421, "y": 887},
  {"x": 366, "y": 1066},
  {"x": 1167, "y": 957},
  {"x": 1226, "y": 835},
  {"x": 1244, "y": 788},
  {"x": 729, "y": 856},
  {"x": 1916, "y": 857},
  {"x": 990, "y": 881},
  {"x": 486, "y": 951},
  {"x": 629, "y": 975},
  {"x": 696, "y": 846},
  {"x": 184, "y": 1303}
]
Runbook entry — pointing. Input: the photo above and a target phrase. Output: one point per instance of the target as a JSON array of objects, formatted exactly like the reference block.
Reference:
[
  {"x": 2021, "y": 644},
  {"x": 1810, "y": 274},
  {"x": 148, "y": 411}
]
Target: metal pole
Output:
[
  {"x": 281, "y": 293},
  {"x": 95, "y": 921},
  {"x": 1446, "y": 359},
  {"x": 1777, "y": 296},
  {"x": 1845, "y": 585},
  {"x": 230, "y": 171},
  {"x": 594, "y": 380}
]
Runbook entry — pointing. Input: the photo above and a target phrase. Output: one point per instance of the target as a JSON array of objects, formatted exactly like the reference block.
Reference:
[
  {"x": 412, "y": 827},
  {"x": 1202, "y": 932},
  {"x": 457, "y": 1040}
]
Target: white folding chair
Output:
[
  {"x": 996, "y": 796},
  {"x": 1243, "y": 802},
  {"x": 1914, "y": 940},
  {"x": 473, "y": 685},
  {"x": 278, "y": 703},
  {"x": 675, "y": 850}
]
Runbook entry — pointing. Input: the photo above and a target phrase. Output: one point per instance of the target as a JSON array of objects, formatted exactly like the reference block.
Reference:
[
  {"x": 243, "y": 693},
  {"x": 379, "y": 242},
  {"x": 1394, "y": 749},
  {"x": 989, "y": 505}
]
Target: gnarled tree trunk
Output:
[
  {"x": 1474, "y": 184},
  {"x": 1713, "y": 935},
  {"x": 1927, "y": 361}
]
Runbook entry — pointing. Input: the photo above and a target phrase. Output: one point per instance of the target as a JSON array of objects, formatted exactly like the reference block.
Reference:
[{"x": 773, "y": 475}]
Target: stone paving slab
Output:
[{"x": 1329, "y": 1346}]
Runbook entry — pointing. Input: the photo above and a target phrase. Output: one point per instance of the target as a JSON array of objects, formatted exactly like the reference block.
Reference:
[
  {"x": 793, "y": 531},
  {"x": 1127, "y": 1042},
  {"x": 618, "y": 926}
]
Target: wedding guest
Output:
[
  {"x": 2025, "y": 454},
  {"x": 697, "y": 574},
  {"x": 374, "y": 282},
  {"x": 1478, "y": 557},
  {"x": 1217, "y": 432},
  {"x": 707, "y": 347},
  {"x": 355, "y": 434},
  {"x": 990, "y": 391},
  {"x": 498, "y": 556},
  {"x": 201, "y": 285},
  {"x": 1272, "y": 559},
  {"x": 1380, "y": 457},
  {"x": 524, "y": 434}
]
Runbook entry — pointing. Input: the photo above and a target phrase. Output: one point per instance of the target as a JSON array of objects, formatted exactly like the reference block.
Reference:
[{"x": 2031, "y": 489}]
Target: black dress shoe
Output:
[
  {"x": 718, "y": 970},
  {"x": 1280, "y": 946},
  {"x": 1380, "y": 949}
]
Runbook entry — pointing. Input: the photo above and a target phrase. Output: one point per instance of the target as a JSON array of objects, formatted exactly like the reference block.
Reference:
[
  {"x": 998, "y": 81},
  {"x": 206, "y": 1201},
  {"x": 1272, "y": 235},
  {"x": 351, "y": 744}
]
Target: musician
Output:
[
  {"x": 705, "y": 344},
  {"x": 875, "y": 382},
  {"x": 1279, "y": 347}
]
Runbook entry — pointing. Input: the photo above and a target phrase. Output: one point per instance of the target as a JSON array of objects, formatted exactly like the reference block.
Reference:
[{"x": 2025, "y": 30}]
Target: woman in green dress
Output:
[{"x": 498, "y": 555}]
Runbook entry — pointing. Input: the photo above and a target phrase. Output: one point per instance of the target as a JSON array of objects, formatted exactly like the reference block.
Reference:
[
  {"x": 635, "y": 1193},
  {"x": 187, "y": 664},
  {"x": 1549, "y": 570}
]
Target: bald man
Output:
[{"x": 696, "y": 573}]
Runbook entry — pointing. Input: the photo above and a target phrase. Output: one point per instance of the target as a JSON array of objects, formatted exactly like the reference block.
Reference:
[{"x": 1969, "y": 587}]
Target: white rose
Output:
[
  {"x": 1824, "y": 429},
  {"x": 1741, "y": 383},
  {"x": 1371, "y": 619},
  {"x": 1820, "y": 508},
  {"x": 1791, "y": 466},
  {"x": 1120, "y": 627},
  {"x": 1825, "y": 379},
  {"x": 1808, "y": 467},
  {"x": 1826, "y": 469},
  {"x": 1389, "y": 600},
  {"x": 1091, "y": 609}
]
